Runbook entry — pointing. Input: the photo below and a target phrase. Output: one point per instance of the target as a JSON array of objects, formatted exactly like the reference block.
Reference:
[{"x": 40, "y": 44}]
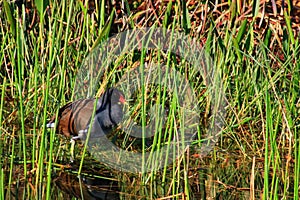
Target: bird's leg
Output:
[
  {"x": 72, "y": 150},
  {"x": 73, "y": 139}
]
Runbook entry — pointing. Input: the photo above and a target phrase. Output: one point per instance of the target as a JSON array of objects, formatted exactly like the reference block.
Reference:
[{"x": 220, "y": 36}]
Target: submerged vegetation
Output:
[{"x": 254, "y": 45}]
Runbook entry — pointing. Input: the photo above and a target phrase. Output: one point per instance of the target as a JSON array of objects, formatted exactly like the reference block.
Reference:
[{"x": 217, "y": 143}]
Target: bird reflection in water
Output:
[{"x": 85, "y": 187}]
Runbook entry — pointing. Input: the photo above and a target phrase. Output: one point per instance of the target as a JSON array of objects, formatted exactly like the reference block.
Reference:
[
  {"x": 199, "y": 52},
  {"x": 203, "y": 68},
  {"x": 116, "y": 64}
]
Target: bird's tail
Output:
[{"x": 50, "y": 125}]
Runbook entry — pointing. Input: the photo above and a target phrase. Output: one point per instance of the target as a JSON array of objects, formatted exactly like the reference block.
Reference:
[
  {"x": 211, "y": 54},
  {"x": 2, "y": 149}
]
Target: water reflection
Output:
[{"x": 85, "y": 187}]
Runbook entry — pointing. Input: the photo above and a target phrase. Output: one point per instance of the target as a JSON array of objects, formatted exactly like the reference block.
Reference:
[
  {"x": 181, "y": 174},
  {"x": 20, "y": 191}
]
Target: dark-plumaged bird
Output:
[{"x": 74, "y": 119}]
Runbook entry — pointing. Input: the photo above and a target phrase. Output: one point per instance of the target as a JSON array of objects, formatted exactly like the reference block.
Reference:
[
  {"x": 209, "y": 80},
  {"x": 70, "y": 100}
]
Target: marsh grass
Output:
[{"x": 257, "y": 156}]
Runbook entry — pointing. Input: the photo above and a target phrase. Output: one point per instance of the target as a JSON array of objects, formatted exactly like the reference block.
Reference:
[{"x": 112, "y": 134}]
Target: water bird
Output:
[{"x": 74, "y": 118}]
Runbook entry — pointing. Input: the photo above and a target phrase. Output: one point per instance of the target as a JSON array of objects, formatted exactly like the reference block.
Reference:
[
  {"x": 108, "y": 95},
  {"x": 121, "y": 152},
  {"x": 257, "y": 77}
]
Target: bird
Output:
[{"x": 75, "y": 118}]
